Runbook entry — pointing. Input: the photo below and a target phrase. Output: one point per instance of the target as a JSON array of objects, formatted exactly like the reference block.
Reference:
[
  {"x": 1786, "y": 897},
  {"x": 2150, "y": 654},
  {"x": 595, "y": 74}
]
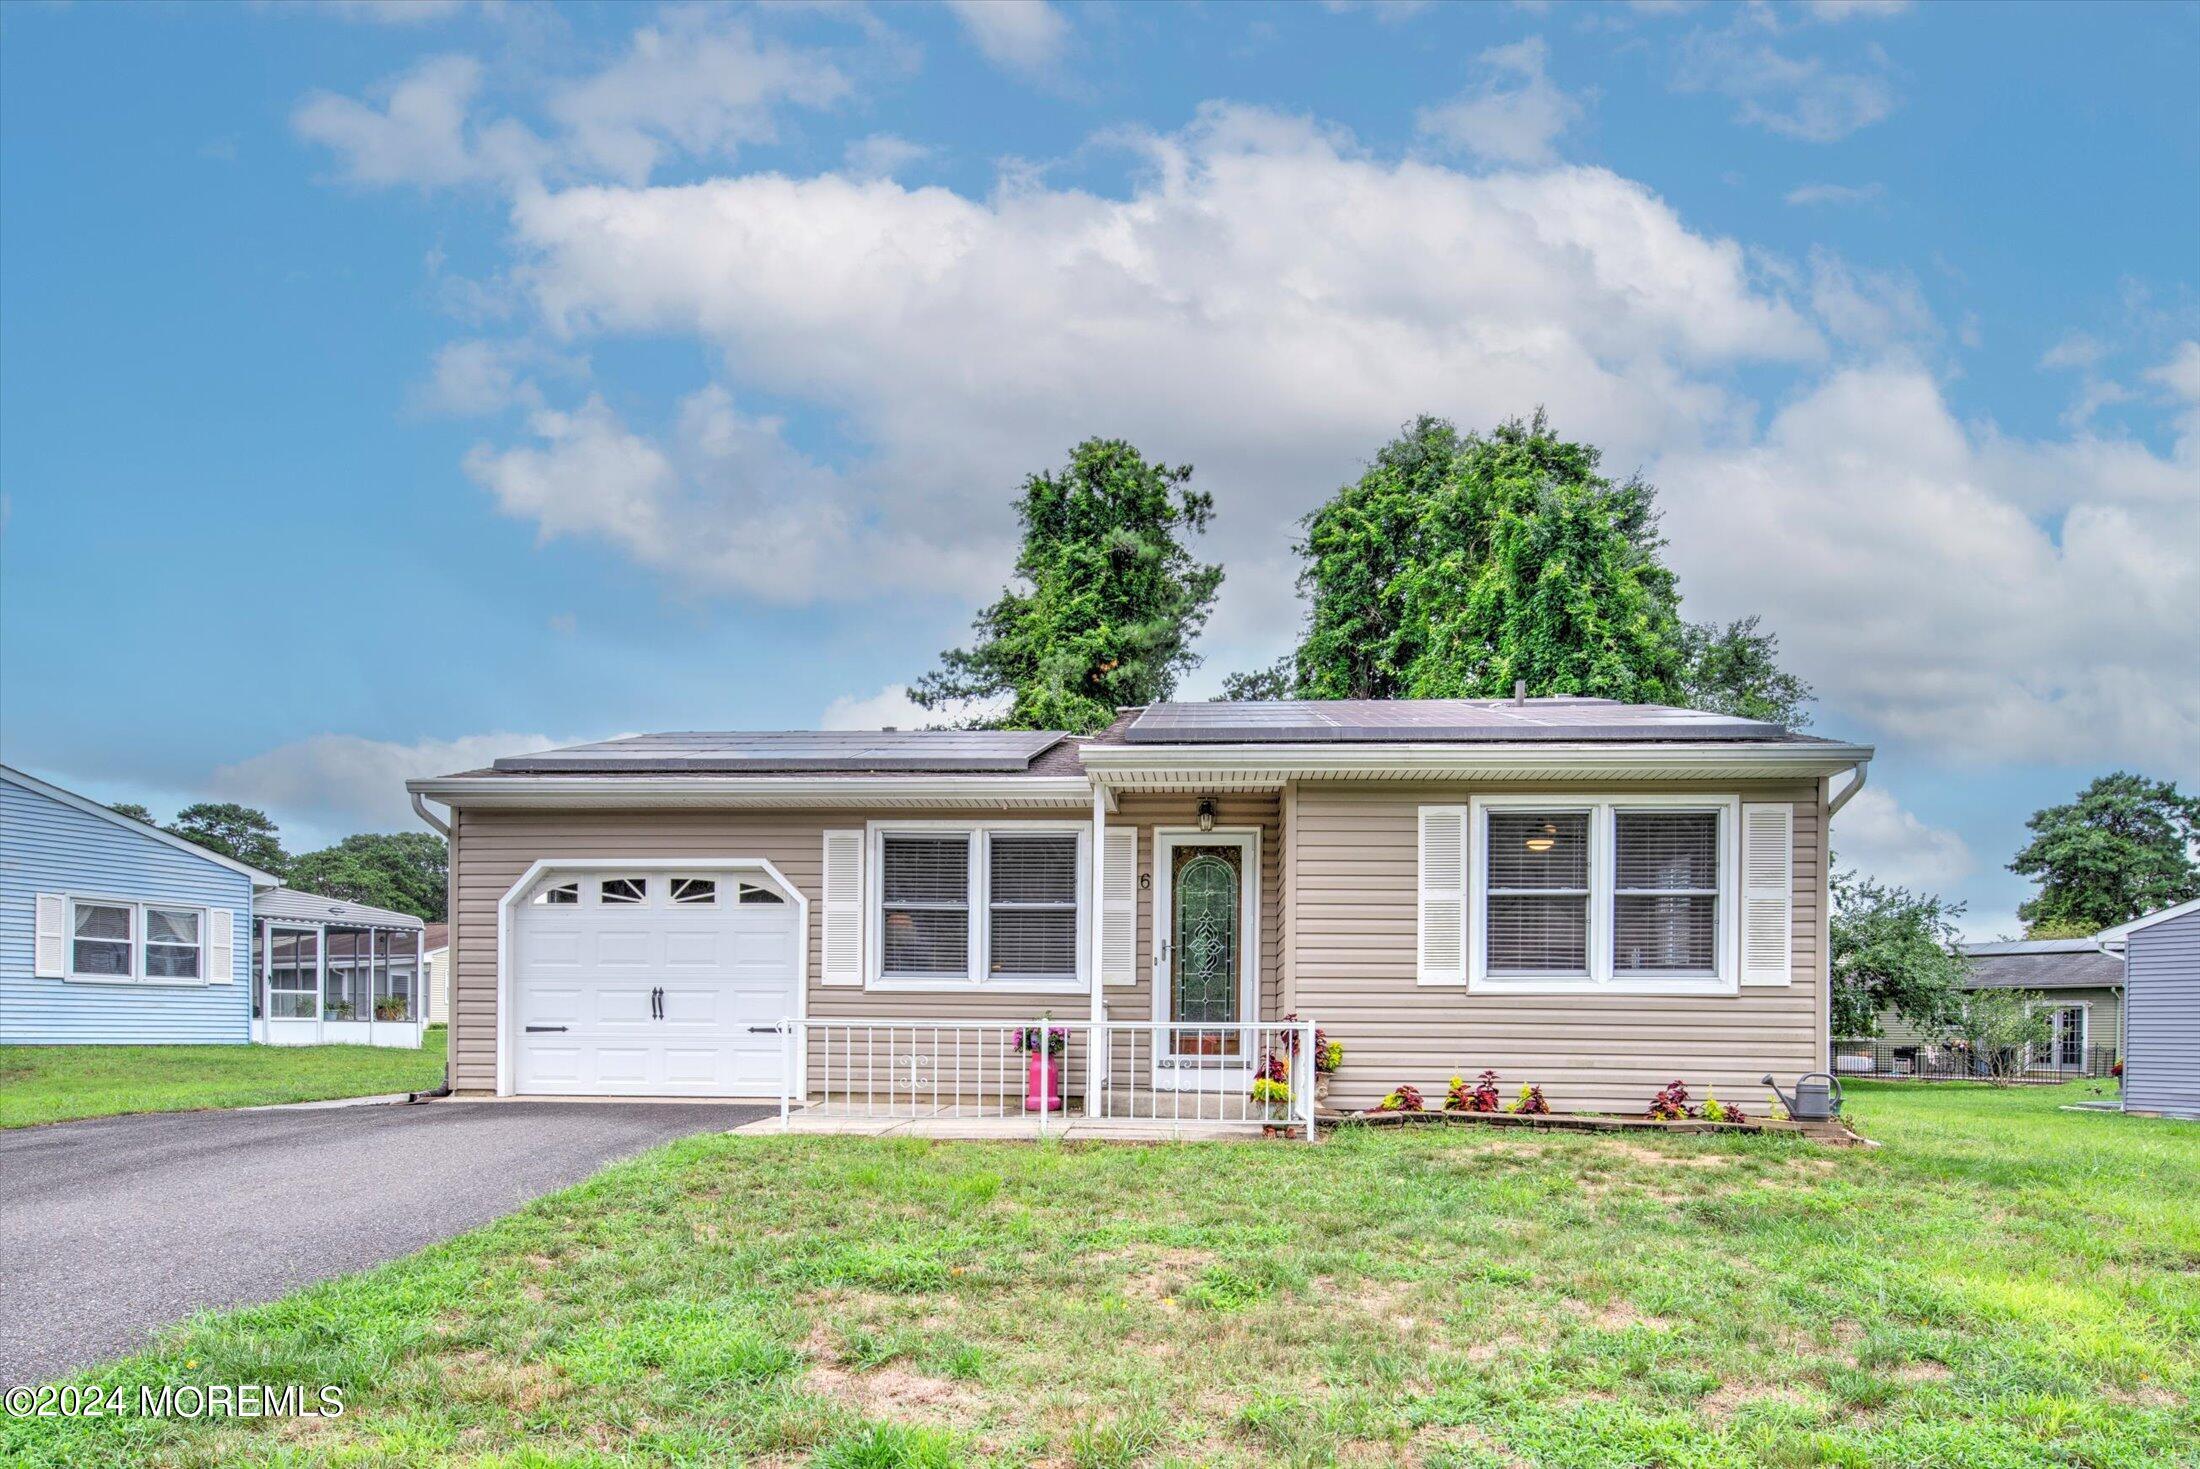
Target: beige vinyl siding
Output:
[
  {"x": 1354, "y": 883},
  {"x": 491, "y": 849}
]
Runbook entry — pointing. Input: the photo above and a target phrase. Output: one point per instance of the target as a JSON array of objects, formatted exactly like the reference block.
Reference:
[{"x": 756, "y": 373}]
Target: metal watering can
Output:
[{"x": 1817, "y": 1096}]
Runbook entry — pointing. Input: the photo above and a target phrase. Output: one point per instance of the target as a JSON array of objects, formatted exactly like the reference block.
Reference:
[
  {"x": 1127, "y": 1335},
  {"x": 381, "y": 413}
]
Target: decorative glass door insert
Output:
[{"x": 1206, "y": 887}]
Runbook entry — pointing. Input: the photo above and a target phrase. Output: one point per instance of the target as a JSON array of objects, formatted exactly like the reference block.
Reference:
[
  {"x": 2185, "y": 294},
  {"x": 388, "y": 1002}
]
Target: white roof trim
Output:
[
  {"x": 2122, "y": 931},
  {"x": 92, "y": 808},
  {"x": 946, "y": 791},
  {"x": 1133, "y": 765}
]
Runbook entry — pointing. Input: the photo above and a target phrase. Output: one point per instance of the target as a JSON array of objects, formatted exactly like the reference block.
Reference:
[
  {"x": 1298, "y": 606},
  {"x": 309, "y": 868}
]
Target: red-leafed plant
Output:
[
  {"x": 1481, "y": 1097},
  {"x": 1670, "y": 1104},
  {"x": 1273, "y": 1068},
  {"x": 1402, "y": 1099},
  {"x": 1735, "y": 1114},
  {"x": 1530, "y": 1102}
]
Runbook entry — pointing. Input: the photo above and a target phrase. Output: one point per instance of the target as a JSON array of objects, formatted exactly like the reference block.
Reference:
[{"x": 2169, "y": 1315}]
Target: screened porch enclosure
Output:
[{"x": 351, "y": 977}]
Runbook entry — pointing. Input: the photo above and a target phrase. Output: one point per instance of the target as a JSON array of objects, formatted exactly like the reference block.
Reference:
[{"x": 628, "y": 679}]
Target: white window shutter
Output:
[
  {"x": 1768, "y": 876},
  {"x": 51, "y": 961},
  {"x": 1119, "y": 908},
  {"x": 221, "y": 946},
  {"x": 843, "y": 908},
  {"x": 1443, "y": 916}
]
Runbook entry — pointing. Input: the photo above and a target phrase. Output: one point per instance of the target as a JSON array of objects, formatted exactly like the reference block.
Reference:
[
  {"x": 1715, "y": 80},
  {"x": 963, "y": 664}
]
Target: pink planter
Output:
[{"x": 1051, "y": 1088}]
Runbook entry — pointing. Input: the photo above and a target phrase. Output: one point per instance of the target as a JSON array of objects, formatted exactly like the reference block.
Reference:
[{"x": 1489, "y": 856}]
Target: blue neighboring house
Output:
[{"x": 113, "y": 932}]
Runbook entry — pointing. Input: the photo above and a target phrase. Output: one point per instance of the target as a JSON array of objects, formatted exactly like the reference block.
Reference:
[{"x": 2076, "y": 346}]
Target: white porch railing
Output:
[{"x": 1136, "y": 1073}]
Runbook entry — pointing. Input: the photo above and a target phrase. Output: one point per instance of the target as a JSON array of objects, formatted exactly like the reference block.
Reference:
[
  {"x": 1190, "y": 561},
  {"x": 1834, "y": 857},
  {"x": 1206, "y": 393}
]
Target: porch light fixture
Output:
[
  {"x": 1544, "y": 840},
  {"x": 1206, "y": 813}
]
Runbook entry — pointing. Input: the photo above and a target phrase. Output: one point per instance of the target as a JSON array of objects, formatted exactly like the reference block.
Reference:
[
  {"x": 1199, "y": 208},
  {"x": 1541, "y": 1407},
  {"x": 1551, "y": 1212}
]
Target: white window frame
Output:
[
  {"x": 980, "y": 875},
  {"x": 137, "y": 907},
  {"x": 1601, "y": 978}
]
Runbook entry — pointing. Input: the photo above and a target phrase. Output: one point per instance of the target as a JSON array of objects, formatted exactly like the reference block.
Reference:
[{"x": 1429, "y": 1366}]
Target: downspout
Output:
[
  {"x": 1833, "y": 809},
  {"x": 420, "y": 809}
]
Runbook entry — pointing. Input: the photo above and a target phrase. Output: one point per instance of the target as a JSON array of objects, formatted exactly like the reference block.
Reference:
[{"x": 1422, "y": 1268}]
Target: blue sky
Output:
[{"x": 385, "y": 387}]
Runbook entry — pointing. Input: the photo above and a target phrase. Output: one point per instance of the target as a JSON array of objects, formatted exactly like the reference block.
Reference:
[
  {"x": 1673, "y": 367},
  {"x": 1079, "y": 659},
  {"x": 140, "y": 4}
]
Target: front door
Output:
[{"x": 1206, "y": 907}]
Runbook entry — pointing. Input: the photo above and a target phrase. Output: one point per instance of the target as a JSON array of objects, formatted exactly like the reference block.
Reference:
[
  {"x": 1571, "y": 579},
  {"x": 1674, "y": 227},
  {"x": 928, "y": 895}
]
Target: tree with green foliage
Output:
[
  {"x": 238, "y": 832},
  {"x": 1108, "y": 602},
  {"x": 2122, "y": 849},
  {"x": 2000, "y": 1029},
  {"x": 1892, "y": 950},
  {"x": 405, "y": 871},
  {"x": 1458, "y": 565},
  {"x": 1279, "y": 680},
  {"x": 134, "y": 811}
]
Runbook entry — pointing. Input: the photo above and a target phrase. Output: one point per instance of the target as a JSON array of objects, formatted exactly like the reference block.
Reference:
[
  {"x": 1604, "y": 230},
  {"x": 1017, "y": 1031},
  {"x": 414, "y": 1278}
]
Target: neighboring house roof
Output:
[
  {"x": 2122, "y": 931},
  {"x": 2042, "y": 964},
  {"x": 290, "y": 905},
  {"x": 92, "y": 808},
  {"x": 436, "y": 937},
  {"x": 1241, "y": 743}
]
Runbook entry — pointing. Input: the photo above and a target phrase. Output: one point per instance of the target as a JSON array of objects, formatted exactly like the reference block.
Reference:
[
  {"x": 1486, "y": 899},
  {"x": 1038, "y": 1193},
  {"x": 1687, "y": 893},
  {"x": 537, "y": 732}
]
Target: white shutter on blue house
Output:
[
  {"x": 843, "y": 915},
  {"x": 51, "y": 959},
  {"x": 1768, "y": 876},
  {"x": 221, "y": 946},
  {"x": 1442, "y": 940}
]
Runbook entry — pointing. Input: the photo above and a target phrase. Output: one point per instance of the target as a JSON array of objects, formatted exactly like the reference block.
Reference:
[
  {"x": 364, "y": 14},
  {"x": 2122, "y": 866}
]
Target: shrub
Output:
[
  {"x": 1713, "y": 1110},
  {"x": 1530, "y": 1102},
  {"x": 1401, "y": 1099},
  {"x": 1735, "y": 1114},
  {"x": 1670, "y": 1104},
  {"x": 1481, "y": 1097},
  {"x": 1328, "y": 1054}
]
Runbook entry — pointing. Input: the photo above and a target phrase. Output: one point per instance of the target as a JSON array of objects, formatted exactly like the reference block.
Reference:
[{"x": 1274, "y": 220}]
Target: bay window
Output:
[
  {"x": 969, "y": 905},
  {"x": 1605, "y": 893}
]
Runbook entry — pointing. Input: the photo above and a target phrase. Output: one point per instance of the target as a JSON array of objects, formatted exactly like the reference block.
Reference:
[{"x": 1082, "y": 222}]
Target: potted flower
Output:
[
  {"x": 1328, "y": 1056},
  {"x": 1273, "y": 1095},
  {"x": 337, "y": 1010},
  {"x": 1043, "y": 1064},
  {"x": 389, "y": 1007}
]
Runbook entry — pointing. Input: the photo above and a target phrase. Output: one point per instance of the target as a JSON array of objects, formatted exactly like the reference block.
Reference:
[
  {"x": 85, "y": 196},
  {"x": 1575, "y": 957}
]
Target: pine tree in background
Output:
[
  {"x": 1110, "y": 599},
  {"x": 2121, "y": 850}
]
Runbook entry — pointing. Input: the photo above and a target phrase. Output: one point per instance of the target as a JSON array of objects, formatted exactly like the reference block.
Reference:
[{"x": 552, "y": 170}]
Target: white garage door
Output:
[{"x": 652, "y": 984}]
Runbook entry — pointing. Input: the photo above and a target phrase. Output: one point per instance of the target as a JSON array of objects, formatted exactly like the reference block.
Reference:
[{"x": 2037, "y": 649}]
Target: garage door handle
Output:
[
  {"x": 763, "y": 1030},
  {"x": 538, "y": 1029}
]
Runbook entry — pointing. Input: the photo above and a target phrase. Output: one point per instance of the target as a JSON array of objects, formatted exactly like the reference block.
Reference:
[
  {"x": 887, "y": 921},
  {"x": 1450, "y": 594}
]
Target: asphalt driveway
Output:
[{"x": 113, "y": 1227}]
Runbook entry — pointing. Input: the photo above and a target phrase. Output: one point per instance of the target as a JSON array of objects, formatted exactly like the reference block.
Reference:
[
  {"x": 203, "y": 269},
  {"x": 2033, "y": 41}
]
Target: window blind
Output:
[
  {"x": 1665, "y": 899},
  {"x": 1538, "y": 897},
  {"x": 925, "y": 886},
  {"x": 1033, "y": 901}
]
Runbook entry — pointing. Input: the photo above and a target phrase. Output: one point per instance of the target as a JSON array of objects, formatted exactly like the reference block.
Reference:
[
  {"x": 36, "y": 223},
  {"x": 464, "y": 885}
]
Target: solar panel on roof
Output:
[
  {"x": 794, "y": 751},
  {"x": 1312, "y": 721}
]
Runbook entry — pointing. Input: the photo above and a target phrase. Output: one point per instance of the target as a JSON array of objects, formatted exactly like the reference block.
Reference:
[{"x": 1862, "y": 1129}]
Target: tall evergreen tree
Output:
[
  {"x": 1109, "y": 601},
  {"x": 242, "y": 833},
  {"x": 404, "y": 871},
  {"x": 2122, "y": 849}
]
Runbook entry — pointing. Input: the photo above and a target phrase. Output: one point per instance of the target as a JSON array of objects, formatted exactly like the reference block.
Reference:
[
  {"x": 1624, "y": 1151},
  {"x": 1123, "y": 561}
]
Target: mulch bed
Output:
[{"x": 1828, "y": 1132}]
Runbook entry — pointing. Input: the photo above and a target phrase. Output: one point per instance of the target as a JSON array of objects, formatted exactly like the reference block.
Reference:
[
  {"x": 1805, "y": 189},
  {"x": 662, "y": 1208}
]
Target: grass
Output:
[
  {"x": 2003, "y": 1283},
  {"x": 61, "y": 1083}
]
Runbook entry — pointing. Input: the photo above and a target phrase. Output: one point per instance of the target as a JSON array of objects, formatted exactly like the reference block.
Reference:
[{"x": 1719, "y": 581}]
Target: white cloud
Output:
[
  {"x": 1877, "y": 837},
  {"x": 2078, "y": 350},
  {"x": 689, "y": 83},
  {"x": 1022, "y": 35},
  {"x": 1808, "y": 195},
  {"x": 343, "y": 783},
  {"x": 892, "y": 708},
  {"x": 474, "y": 377},
  {"x": 1267, "y": 304},
  {"x": 2181, "y": 373},
  {"x": 422, "y": 133},
  {"x": 1869, "y": 308},
  {"x": 389, "y": 12},
  {"x": 1514, "y": 114},
  {"x": 1988, "y": 598},
  {"x": 1840, "y": 10},
  {"x": 882, "y": 155},
  {"x": 1803, "y": 97}
]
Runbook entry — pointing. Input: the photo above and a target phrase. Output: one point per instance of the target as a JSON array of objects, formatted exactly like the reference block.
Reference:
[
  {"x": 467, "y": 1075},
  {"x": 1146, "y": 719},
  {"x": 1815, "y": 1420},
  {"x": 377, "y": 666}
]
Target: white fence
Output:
[{"x": 1146, "y": 1074}]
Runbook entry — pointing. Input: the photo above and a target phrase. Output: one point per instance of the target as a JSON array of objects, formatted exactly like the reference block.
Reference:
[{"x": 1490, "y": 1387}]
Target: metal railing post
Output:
[{"x": 786, "y": 1077}]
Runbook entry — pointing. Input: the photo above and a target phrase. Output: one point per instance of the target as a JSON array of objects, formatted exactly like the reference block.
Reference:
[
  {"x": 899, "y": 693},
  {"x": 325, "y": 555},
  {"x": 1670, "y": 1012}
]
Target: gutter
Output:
[
  {"x": 1557, "y": 760},
  {"x": 757, "y": 790},
  {"x": 420, "y": 809}
]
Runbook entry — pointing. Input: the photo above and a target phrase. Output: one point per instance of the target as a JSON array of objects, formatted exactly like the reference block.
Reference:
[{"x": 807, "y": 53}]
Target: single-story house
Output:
[
  {"x": 330, "y": 972},
  {"x": 1590, "y": 897},
  {"x": 2161, "y": 955},
  {"x": 2075, "y": 980},
  {"x": 435, "y": 944},
  {"x": 113, "y": 932}
]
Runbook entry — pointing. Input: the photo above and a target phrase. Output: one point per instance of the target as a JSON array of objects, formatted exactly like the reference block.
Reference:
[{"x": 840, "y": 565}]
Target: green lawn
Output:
[
  {"x": 57, "y": 1083},
  {"x": 2002, "y": 1284}
]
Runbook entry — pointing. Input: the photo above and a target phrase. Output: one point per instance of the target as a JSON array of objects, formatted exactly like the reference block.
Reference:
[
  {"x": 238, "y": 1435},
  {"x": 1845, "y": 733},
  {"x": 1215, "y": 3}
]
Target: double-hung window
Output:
[
  {"x": 154, "y": 943},
  {"x": 1591, "y": 894},
  {"x": 979, "y": 905}
]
